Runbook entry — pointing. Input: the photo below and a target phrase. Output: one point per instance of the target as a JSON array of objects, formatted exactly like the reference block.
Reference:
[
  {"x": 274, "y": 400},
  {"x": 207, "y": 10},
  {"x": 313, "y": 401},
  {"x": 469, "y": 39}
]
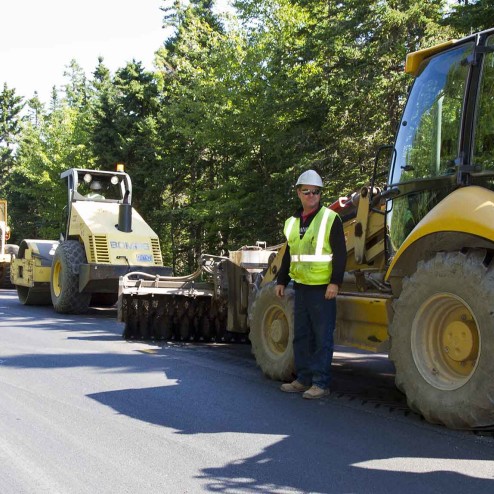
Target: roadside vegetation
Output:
[{"x": 236, "y": 108}]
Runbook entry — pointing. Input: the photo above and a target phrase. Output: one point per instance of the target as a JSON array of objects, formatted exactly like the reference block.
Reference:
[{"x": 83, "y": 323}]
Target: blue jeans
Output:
[{"x": 315, "y": 319}]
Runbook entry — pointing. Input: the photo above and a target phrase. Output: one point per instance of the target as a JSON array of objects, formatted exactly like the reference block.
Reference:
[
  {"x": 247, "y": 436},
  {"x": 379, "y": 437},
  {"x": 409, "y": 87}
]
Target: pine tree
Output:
[{"x": 11, "y": 107}]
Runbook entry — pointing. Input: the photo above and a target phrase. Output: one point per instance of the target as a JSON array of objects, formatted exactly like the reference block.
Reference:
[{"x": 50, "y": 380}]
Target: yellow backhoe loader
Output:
[{"x": 420, "y": 280}]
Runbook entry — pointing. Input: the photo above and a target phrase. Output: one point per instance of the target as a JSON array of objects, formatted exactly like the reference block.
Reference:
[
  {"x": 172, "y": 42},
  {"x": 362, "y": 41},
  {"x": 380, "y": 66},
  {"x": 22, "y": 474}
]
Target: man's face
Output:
[{"x": 309, "y": 196}]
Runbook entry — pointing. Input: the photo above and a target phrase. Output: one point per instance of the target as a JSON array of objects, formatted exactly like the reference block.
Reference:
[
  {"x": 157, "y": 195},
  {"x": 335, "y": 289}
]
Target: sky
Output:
[{"x": 39, "y": 38}]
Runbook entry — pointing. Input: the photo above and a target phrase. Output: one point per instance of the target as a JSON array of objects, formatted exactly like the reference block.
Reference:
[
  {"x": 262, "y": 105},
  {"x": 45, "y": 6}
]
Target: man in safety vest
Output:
[{"x": 315, "y": 260}]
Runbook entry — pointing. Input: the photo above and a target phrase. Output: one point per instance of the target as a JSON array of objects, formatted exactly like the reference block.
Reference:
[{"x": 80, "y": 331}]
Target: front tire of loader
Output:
[
  {"x": 442, "y": 340},
  {"x": 271, "y": 333},
  {"x": 64, "y": 286}
]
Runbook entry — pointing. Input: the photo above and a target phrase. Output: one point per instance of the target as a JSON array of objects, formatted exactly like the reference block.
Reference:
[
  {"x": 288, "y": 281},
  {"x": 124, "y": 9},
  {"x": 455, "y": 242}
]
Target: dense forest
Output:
[{"x": 236, "y": 108}]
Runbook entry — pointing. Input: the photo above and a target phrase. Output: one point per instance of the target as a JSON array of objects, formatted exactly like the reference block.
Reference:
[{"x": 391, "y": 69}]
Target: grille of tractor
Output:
[
  {"x": 155, "y": 244},
  {"x": 99, "y": 249}
]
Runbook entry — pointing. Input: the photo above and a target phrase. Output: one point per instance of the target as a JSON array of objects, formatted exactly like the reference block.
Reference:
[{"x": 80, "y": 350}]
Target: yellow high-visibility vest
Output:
[{"x": 311, "y": 255}]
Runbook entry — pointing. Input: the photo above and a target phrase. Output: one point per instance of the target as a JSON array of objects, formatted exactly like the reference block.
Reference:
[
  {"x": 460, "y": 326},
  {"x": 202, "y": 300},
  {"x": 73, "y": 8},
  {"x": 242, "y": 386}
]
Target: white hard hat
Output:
[{"x": 310, "y": 177}]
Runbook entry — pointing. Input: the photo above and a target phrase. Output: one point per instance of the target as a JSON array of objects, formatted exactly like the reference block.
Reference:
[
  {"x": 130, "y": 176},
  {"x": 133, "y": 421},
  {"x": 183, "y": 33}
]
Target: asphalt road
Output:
[{"x": 82, "y": 411}]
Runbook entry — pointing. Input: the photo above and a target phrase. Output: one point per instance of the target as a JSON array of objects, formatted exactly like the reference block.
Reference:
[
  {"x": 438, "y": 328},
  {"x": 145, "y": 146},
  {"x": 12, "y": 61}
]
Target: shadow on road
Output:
[
  {"x": 321, "y": 446},
  {"x": 317, "y": 448}
]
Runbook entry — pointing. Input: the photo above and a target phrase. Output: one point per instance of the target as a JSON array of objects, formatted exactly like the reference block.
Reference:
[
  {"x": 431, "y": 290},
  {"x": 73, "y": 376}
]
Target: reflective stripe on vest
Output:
[
  {"x": 314, "y": 258},
  {"x": 288, "y": 229},
  {"x": 322, "y": 232}
]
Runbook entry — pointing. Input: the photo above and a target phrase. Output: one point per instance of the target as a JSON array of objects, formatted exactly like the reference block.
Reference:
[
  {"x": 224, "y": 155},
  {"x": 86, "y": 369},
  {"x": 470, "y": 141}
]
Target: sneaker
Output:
[
  {"x": 294, "y": 387},
  {"x": 315, "y": 392}
]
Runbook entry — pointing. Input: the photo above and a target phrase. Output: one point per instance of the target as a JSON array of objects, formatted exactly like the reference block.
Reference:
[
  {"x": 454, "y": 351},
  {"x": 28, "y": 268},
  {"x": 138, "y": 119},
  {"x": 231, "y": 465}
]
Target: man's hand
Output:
[
  {"x": 279, "y": 290},
  {"x": 331, "y": 291}
]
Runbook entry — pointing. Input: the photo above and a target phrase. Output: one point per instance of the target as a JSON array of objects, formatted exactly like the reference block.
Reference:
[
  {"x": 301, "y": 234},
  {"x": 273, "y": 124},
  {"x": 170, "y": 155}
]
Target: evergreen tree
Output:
[
  {"x": 469, "y": 16},
  {"x": 52, "y": 141},
  {"x": 104, "y": 133},
  {"x": 191, "y": 106},
  {"x": 124, "y": 128},
  {"x": 11, "y": 107}
]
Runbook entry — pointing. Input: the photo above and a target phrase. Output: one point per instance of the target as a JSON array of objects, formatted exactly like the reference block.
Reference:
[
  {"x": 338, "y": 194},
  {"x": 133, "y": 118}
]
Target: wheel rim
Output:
[
  {"x": 57, "y": 272},
  {"x": 276, "y": 330},
  {"x": 445, "y": 341}
]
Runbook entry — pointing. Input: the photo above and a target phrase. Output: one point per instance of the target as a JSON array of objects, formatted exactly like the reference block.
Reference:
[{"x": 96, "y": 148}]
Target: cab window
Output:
[
  {"x": 427, "y": 142},
  {"x": 483, "y": 155}
]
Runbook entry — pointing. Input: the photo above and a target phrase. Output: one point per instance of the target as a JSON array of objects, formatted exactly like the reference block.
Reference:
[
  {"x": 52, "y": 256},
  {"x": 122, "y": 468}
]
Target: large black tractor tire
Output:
[
  {"x": 13, "y": 250},
  {"x": 64, "y": 286},
  {"x": 271, "y": 333},
  {"x": 442, "y": 339}
]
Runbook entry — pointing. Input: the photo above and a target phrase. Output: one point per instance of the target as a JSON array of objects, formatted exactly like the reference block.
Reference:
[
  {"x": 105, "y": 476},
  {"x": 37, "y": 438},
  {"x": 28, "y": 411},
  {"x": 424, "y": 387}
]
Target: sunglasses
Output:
[{"x": 314, "y": 192}]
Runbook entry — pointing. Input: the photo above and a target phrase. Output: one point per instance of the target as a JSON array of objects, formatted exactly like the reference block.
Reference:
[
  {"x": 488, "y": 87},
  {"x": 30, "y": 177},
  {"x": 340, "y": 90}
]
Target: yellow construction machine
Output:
[
  {"x": 102, "y": 238},
  {"x": 7, "y": 251},
  {"x": 420, "y": 280}
]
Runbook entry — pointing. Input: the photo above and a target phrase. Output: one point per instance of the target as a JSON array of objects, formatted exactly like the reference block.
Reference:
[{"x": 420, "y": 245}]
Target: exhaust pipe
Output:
[{"x": 125, "y": 217}]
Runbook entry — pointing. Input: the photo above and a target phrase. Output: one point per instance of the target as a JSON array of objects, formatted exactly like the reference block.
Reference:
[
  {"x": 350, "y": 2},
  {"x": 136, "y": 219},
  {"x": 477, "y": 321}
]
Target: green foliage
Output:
[
  {"x": 37, "y": 195},
  {"x": 215, "y": 138},
  {"x": 471, "y": 15},
  {"x": 11, "y": 107}
]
